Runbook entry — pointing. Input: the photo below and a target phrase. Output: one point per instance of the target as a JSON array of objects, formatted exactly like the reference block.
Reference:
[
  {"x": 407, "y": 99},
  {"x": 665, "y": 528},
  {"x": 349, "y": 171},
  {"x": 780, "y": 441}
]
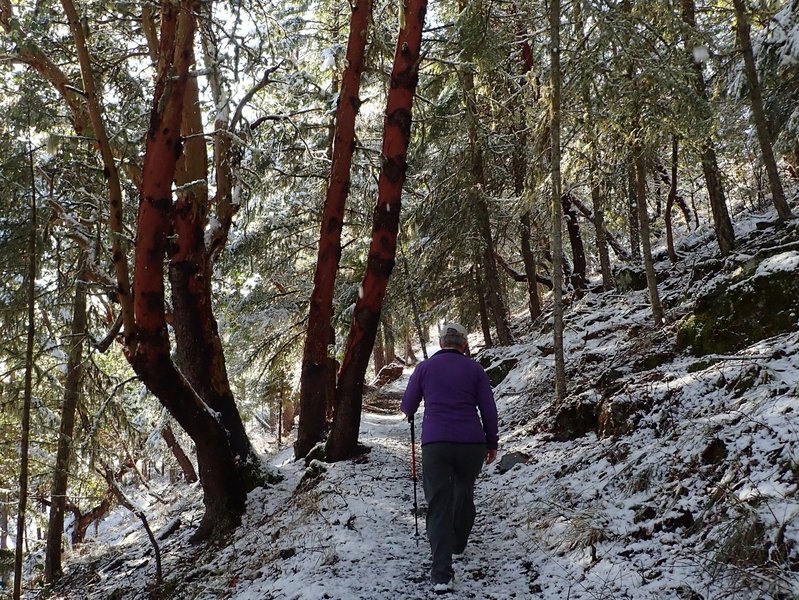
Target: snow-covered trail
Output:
[{"x": 365, "y": 546}]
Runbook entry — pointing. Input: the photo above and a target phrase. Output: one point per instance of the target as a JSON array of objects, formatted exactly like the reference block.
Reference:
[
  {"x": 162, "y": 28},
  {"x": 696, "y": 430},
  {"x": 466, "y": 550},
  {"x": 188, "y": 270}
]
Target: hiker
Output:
[{"x": 455, "y": 443}]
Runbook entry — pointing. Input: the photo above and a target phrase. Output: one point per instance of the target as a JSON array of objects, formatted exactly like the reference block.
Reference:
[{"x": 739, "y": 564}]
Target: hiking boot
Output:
[{"x": 443, "y": 588}]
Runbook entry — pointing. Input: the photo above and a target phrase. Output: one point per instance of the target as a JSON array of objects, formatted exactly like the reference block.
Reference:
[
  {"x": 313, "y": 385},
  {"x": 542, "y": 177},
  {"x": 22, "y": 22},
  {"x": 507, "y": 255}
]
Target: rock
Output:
[
  {"x": 510, "y": 460},
  {"x": 714, "y": 453},
  {"x": 757, "y": 302},
  {"x": 388, "y": 374},
  {"x": 629, "y": 279},
  {"x": 619, "y": 415},
  {"x": 317, "y": 453},
  {"x": 708, "y": 267},
  {"x": 652, "y": 361},
  {"x": 645, "y": 513},
  {"x": 497, "y": 372},
  {"x": 574, "y": 420},
  {"x": 682, "y": 520}
]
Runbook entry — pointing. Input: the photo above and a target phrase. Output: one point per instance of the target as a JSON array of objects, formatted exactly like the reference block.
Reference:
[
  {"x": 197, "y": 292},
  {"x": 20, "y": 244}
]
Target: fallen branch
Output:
[
  {"x": 612, "y": 241},
  {"x": 516, "y": 276},
  {"x": 124, "y": 501}
]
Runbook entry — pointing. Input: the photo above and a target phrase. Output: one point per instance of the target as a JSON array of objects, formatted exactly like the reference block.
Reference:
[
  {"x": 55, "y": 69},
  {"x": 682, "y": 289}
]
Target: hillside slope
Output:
[{"x": 670, "y": 471}]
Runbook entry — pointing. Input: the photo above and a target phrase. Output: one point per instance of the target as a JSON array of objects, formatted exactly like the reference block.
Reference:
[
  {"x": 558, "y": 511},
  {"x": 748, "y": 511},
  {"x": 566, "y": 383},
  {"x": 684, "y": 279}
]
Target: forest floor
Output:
[{"x": 663, "y": 475}]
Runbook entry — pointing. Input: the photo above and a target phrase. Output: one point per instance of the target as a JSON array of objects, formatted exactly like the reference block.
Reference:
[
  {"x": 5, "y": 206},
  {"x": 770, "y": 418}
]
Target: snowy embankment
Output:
[{"x": 662, "y": 476}]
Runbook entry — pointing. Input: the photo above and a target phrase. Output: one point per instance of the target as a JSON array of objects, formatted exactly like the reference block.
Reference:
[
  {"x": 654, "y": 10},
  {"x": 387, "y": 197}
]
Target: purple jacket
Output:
[{"x": 454, "y": 388}]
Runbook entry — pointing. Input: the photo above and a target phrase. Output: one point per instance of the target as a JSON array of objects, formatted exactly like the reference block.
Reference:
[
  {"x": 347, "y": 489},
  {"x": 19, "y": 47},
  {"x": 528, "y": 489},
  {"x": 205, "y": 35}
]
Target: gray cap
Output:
[{"x": 453, "y": 333}]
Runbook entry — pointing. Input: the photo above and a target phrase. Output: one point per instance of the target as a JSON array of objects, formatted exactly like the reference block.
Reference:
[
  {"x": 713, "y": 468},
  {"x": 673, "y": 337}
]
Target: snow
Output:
[
  {"x": 701, "y": 54},
  {"x": 786, "y": 261},
  {"x": 643, "y": 511},
  {"x": 328, "y": 59}
]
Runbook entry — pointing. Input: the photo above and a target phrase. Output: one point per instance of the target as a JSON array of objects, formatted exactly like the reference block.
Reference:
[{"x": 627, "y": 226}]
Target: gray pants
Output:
[{"x": 449, "y": 472}]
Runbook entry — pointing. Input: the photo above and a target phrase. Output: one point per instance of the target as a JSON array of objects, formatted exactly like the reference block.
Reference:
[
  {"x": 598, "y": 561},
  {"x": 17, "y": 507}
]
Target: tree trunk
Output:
[
  {"x": 530, "y": 267},
  {"x": 82, "y": 521},
  {"x": 28, "y": 389},
  {"x": 389, "y": 341},
  {"x": 482, "y": 307},
  {"x": 597, "y": 203},
  {"x": 417, "y": 318},
  {"x": 494, "y": 299},
  {"x": 759, "y": 114},
  {"x": 476, "y": 196},
  {"x": 227, "y": 157},
  {"x": 149, "y": 355},
  {"x": 520, "y": 168},
  {"x": 410, "y": 355},
  {"x": 319, "y": 334},
  {"x": 4, "y": 521},
  {"x": 200, "y": 354},
  {"x": 186, "y": 466},
  {"x": 670, "y": 202},
  {"x": 72, "y": 392},
  {"x": 578, "y": 277},
  {"x": 643, "y": 217},
  {"x": 557, "y": 235},
  {"x": 678, "y": 199},
  {"x": 632, "y": 215},
  {"x": 725, "y": 234},
  {"x": 378, "y": 352},
  {"x": 110, "y": 171},
  {"x": 618, "y": 250},
  {"x": 599, "y": 222},
  {"x": 343, "y": 440}
]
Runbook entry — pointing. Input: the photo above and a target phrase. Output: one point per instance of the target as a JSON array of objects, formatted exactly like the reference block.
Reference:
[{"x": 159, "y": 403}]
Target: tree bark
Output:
[
  {"x": 670, "y": 202},
  {"x": 643, "y": 218},
  {"x": 678, "y": 199},
  {"x": 602, "y": 238},
  {"x": 758, "y": 113},
  {"x": 597, "y": 202},
  {"x": 378, "y": 352},
  {"x": 618, "y": 250},
  {"x": 578, "y": 277},
  {"x": 149, "y": 355},
  {"x": 632, "y": 214},
  {"x": 82, "y": 521},
  {"x": 4, "y": 521},
  {"x": 557, "y": 235},
  {"x": 319, "y": 333},
  {"x": 186, "y": 466},
  {"x": 482, "y": 306},
  {"x": 417, "y": 317},
  {"x": 343, "y": 440},
  {"x": 110, "y": 171},
  {"x": 227, "y": 156},
  {"x": 72, "y": 392},
  {"x": 410, "y": 355},
  {"x": 494, "y": 298},
  {"x": 200, "y": 354},
  {"x": 530, "y": 267},
  {"x": 28, "y": 389},
  {"x": 520, "y": 166},
  {"x": 389, "y": 340},
  {"x": 725, "y": 234}
]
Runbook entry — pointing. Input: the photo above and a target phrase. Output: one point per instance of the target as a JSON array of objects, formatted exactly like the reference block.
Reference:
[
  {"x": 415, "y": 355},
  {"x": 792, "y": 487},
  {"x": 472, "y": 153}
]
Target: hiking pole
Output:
[{"x": 413, "y": 474}]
